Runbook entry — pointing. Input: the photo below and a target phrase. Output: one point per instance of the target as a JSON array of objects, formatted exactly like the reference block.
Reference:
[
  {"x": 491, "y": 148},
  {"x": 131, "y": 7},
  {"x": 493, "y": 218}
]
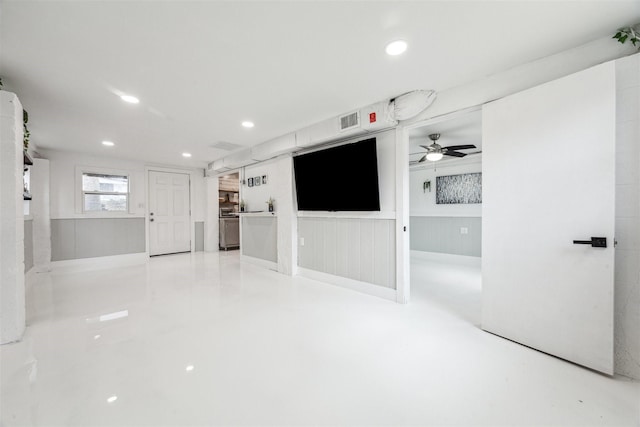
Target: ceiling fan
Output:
[{"x": 435, "y": 152}]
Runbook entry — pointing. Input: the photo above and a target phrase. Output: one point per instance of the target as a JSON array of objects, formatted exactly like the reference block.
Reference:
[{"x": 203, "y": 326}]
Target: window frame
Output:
[{"x": 82, "y": 171}]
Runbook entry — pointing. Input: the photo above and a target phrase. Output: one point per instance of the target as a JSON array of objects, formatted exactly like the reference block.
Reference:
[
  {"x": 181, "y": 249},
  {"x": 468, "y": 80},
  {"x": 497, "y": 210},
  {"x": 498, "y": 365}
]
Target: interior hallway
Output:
[{"x": 203, "y": 339}]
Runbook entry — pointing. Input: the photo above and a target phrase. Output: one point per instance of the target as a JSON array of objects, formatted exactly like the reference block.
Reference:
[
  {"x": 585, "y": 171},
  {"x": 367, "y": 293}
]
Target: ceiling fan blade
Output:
[
  {"x": 454, "y": 154},
  {"x": 422, "y": 159},
  {"x": 459, "y": 147}
]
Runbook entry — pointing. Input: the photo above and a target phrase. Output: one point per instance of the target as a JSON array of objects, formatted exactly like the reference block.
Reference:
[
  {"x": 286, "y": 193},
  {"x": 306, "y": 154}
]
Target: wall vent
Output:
[{"x": 350, "y": 121}]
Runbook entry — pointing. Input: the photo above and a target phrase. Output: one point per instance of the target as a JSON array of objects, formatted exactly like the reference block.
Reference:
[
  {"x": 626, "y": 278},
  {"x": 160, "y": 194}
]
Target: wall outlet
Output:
[
  {"x": 464, "y": 230},
  {"x": 302, "y": 241}
]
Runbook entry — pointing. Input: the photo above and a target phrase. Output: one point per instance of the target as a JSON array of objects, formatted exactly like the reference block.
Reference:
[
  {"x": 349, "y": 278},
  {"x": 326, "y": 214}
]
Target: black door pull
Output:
[{"x": 595, "y": 242}]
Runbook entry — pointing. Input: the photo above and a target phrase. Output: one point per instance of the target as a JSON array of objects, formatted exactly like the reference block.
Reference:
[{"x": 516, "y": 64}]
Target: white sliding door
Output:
[{"x": 548, "y": 179}]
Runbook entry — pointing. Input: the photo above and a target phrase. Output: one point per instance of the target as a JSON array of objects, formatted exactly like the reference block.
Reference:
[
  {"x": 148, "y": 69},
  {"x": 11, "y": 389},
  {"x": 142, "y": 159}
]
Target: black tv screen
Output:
[{"x": 342, "y": 178}]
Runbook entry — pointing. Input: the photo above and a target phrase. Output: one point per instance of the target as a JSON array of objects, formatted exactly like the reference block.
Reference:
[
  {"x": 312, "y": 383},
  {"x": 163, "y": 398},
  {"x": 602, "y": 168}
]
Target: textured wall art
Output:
[{"x": 457, "y": 189}]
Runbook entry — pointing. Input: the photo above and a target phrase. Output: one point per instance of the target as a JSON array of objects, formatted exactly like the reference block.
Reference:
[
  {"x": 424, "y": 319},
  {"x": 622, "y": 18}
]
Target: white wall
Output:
[
  {"x": 368, "y": 248},
  {"x": 255, "y": 197},
  {"x": 423, "y": 203},
  {"x": 386, "y": 152},
  {"x": 40, "y": 211},
  {"x": 627, "y": 265},
  {"x": 279, "y": 186},
  {"x": 12, "y": 280},
  {"x": 66, "y": 192}
]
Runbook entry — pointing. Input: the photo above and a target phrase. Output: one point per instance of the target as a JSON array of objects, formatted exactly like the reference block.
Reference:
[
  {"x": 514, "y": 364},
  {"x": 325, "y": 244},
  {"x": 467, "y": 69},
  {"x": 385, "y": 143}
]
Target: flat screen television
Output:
[{"x": 342, "y": 178}]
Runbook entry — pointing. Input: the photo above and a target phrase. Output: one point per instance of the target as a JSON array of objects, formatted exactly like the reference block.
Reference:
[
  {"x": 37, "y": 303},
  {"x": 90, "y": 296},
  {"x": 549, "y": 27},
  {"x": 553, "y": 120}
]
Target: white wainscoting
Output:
[
  {"x": 360, "y": 249},
  {"x": 258, "y": 234}
]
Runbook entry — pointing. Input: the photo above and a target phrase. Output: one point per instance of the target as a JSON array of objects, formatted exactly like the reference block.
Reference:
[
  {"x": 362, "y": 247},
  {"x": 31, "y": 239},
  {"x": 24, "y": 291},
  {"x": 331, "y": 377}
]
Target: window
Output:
[{"x": 105, "y": 193}]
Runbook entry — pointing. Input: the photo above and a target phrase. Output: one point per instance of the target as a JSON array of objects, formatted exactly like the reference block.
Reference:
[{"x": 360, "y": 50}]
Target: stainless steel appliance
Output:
[
  {"x": 228, "y": 212},
  {"x": 229, "y": 232}
]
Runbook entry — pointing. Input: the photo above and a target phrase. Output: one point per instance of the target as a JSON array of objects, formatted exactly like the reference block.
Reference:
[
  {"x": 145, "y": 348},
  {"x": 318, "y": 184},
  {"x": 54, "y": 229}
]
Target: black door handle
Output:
[{"x": 595, "y": 242}]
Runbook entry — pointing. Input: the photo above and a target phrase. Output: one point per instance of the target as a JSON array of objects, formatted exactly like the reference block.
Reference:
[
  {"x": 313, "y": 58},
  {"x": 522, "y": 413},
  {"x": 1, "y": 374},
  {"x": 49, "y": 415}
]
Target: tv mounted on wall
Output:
[{"x": 342, "y": 178}]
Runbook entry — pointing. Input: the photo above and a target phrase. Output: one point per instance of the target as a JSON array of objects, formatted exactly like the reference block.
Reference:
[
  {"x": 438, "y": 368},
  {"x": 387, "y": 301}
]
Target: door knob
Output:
[
  {"x": 151, "y": 220},
  {"x": 595, "y": 242},
  {"x": 150, "y": 213}
]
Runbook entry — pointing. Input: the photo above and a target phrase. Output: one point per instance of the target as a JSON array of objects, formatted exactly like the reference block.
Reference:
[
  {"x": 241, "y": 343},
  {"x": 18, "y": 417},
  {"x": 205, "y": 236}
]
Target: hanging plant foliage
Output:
[
  {"x": 25, "y": 120},
  {"x": 628, "y": 33},
  {"x": 27, "y": 134}
]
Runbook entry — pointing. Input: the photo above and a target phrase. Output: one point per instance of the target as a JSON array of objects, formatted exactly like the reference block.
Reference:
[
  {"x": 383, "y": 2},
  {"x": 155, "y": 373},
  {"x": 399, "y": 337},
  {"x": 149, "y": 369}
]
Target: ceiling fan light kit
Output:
[
  {"x": 436, "y": 152},
  {"x": 434, "y": 156}
]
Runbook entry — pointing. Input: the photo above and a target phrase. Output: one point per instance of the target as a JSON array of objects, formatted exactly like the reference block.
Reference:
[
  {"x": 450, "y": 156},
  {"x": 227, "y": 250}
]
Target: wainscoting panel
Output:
[
  {"x": 443, "y": 235},
  {"x": 259, "y": 237},
  {"x": 354, "y": 248},
  {"x": 28, "y": 245},
  {"x": 199, "y": 225},
  {"x": 96, "y": 237}
]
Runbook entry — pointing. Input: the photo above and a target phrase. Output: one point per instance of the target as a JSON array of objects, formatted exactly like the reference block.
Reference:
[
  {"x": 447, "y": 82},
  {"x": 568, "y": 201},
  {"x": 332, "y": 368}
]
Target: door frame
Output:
[
  {"x": 403, "y": 240},
  {"x": 192, "y": 224}
]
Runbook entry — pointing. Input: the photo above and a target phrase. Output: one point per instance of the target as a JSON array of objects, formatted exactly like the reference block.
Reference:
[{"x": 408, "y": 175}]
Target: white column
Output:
[
  {"x": 41, "y": 215},
  {"x": 211, "y": 225},
  {"x": 12, "y": 286},
  {"x": 287, "y": 222}
]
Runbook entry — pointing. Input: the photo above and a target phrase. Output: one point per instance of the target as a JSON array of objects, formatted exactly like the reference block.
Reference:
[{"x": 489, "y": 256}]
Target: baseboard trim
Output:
[
  {"x": 98, "y": 263},
  {"x": 469, "y": 261},
  {"x": 259, "y": 261},
  {"x": 355, "y": 285}
]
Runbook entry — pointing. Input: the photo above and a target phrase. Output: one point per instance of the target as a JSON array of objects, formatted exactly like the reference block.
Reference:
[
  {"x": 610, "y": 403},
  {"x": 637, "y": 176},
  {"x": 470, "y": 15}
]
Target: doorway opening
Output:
[
  {"x": 229, "y": 207},
  {"x": 445, "y": 213}
]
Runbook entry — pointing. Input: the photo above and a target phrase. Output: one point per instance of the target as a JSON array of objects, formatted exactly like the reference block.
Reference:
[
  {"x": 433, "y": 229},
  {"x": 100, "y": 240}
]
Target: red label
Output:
[{"x": 372, "y": 117}]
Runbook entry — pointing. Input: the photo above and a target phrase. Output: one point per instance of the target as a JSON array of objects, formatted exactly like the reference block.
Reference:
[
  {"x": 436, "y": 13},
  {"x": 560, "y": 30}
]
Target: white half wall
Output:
[
  {"x": 40, "y": 211},
  {"x": 279, "y": 186}
]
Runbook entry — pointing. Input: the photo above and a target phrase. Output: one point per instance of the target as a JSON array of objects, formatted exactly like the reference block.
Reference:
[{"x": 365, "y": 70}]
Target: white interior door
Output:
[
  {"x": 548, "y": 179},
  {"x": 169, "y": 213}
]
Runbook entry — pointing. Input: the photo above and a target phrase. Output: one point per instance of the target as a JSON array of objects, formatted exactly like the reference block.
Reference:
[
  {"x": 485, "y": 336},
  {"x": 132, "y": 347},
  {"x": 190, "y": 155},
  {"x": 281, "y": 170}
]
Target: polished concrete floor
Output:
[{"x": 206, "y": 340}]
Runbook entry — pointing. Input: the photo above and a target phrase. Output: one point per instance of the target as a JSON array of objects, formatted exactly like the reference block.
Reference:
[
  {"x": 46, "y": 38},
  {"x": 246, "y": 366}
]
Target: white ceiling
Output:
[{"x": 200, "y": 68}]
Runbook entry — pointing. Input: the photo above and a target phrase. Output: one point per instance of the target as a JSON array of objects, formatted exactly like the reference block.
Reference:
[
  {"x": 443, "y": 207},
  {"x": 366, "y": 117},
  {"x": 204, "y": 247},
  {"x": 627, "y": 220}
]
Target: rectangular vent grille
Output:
[
  {"x": 350, "y": 121},
  {"x": 226, "y": 146}
]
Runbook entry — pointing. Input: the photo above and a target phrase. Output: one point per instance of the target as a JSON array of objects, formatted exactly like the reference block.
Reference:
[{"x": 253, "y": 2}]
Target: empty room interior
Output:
[{"x": 320, "y": 213}]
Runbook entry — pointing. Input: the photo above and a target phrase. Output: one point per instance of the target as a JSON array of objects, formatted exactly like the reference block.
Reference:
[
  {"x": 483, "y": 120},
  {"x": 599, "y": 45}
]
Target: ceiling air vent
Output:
[{"x": 350, "y": 121}]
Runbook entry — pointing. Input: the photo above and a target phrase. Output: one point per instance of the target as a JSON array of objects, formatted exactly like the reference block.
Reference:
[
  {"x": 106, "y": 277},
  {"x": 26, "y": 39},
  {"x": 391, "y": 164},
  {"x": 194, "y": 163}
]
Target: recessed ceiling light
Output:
[
  {"x": 189, "y": 368},
  {"x": 108, "y": 143},
  {"x": 396, "y": 48},
  {"x": 112, "y": 399},
  {"x": 130, "y": 99},
  {"x": 186, "y": 154},
  {"x": 247, "y": 124}
]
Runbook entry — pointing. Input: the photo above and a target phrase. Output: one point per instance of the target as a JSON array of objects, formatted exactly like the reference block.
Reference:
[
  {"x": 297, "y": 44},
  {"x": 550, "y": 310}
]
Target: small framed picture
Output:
[
  {"x": 264, "y": 179},
  {"x": 256, "y": 181},
  {"x": 250, "y": 182}
]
